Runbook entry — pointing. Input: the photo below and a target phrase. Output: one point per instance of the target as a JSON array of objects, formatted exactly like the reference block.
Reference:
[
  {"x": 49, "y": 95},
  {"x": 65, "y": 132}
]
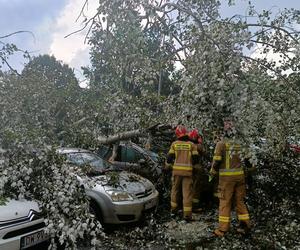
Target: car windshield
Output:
[{"x": 86, "y": 158}]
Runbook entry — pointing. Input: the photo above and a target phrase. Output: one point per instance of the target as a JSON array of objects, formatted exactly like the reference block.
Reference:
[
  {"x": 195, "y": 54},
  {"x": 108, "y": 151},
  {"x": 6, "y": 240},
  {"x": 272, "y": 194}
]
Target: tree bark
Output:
[{"x": 122, "y": 136}]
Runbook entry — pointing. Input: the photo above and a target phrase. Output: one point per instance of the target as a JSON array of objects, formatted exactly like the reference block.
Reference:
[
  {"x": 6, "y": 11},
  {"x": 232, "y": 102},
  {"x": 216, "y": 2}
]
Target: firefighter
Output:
[
  {"x": 183, "y": 155},
  {"x": 198, "y": 170},
  {"x": 232, "y": 187},
  {"x": 217, "y": 136}
]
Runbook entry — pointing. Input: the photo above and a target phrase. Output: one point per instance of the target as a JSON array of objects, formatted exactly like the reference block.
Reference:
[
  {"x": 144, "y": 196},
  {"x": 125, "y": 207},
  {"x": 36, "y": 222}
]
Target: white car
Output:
[
  {"x": 118, "y": 196},
  {"x": 21, "y": 225}
]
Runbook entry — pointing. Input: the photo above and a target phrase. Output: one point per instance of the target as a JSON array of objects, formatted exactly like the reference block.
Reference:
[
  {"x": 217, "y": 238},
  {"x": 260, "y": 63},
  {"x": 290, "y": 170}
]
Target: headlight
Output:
[{"x": 117, "y": 195}]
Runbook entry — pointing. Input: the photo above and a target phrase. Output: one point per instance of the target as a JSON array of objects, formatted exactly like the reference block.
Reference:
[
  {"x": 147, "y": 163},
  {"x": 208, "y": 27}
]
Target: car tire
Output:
[{"x": 95, "y": 210}]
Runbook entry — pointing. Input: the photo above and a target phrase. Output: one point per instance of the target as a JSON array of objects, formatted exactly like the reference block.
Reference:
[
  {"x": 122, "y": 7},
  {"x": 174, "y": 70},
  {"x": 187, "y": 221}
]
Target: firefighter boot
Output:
[
  {"x": 188, "y": 218},
  {"x": 243, "y": 228},
  {"x": 219, "y": 233}
]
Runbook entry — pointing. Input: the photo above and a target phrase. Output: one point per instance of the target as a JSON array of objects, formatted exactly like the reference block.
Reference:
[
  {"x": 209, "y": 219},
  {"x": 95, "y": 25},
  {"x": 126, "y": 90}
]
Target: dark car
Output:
[
  {"x": 134, "y": 158},
  {"x": 293, "y": 143}
]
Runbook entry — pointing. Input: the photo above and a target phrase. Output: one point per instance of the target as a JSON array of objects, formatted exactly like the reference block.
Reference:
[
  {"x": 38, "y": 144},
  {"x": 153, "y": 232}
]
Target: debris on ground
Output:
[{"x": 273, "y": 202}]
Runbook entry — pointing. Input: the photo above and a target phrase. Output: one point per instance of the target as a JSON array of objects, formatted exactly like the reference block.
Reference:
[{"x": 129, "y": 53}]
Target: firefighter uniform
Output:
[
  {"x": 198, "y": 181},
  {"x": 231, "y": 186},
  {"x": 182, "y": 154}
]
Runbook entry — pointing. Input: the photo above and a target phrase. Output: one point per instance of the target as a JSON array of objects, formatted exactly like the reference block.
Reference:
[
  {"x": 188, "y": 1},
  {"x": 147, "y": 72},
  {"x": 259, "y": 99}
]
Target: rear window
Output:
[
  {"x": 104, "y": 151},
  {"x": 130, "y": 155}
]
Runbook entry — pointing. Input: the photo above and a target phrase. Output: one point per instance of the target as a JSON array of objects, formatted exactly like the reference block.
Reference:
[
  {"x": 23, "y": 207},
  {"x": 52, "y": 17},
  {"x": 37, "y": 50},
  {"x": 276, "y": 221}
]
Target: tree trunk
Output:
[{"x": 122, "y": 136}]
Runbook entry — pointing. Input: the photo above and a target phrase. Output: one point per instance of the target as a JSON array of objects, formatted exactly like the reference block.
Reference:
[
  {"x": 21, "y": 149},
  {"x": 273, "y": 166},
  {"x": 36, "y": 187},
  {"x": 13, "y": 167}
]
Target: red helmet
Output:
[
  {"x": 194, "y": 136},
  {"x": 180, "y": 131}
]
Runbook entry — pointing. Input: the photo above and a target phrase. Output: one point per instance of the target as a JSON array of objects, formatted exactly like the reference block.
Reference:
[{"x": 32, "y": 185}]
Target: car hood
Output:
[
  {"x": 15, "y": 209},
  {"x": 129, "y": 182}
]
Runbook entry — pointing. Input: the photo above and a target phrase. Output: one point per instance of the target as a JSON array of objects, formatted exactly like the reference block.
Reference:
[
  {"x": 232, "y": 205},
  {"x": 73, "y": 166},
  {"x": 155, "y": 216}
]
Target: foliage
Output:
[
  {"x": 48, "y": 68},
  {"x": 210, "y": 67},
  {"x": 44, "y": 177},
  {"x": 34, "y": 110},
  {"x": 218, "y": 78},
  {"x": 9, "y": 49}
]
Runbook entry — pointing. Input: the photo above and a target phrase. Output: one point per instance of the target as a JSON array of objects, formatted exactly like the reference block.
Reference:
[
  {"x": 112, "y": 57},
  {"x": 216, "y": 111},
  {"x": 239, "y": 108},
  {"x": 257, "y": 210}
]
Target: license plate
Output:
[
  {"x": 33, "y": 239},
  {"x": 150, "y": 204}
]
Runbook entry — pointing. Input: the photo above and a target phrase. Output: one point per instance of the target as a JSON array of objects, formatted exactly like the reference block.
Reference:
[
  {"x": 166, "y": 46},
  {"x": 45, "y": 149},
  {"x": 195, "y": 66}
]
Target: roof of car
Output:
[
  {"x": 137, "y": 147},
  {"x": 71, "y": 150}
]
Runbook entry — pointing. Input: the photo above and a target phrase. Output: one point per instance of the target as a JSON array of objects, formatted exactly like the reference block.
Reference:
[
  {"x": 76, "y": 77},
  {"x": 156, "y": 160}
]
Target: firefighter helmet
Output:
[
  {"x": 195, "y": 136},
  {"x": 180, "y": 131}
]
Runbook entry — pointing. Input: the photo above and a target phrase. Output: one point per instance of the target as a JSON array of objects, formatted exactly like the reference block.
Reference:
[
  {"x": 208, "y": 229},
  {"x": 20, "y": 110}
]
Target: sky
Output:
[{"x": 51, "y": 20}]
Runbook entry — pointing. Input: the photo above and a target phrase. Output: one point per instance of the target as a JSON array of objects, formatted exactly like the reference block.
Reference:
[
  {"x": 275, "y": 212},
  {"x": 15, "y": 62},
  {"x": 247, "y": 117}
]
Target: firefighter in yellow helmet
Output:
[
  {"x": 232, "y": 187},
  {"x": 183, "y": 155}
]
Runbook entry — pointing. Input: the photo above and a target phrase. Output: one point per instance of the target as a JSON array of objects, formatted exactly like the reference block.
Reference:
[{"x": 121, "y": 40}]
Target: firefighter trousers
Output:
[
  {"x": 182, "y": 184},
  {"x": 232, "y": 189},
  {"x": 197, "y": 182}
]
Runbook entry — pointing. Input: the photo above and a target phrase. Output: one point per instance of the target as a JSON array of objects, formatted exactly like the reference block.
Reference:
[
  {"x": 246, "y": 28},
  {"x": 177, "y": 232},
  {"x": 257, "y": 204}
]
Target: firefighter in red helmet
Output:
[
  {"x": 198, "y": 170},
  {"x": 227, "y": 162},
  {"x": 183, "y": 154}
]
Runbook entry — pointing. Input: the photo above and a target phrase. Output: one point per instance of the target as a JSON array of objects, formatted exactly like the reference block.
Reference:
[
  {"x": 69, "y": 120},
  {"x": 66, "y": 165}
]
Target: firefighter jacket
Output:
[
  {"x": 227, "y": 159},
  {"x": 183, "y": 154}
]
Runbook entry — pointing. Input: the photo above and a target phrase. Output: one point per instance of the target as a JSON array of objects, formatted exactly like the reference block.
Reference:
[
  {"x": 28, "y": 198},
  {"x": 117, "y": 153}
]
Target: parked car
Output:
[
  {"x": 293, "y": 143},
  {"x": 134, "y": 158},
  {"x": 118, "y": 196},
  {"x": 21, "y": 225}
]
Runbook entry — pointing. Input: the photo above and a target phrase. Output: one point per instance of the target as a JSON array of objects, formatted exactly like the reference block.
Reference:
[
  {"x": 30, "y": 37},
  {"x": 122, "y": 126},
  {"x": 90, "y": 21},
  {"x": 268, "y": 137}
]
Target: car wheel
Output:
[{"x": 95, "y": 210}]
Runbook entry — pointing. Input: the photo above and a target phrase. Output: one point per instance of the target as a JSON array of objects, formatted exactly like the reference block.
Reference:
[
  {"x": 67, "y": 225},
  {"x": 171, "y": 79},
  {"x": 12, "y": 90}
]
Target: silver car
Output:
[
  {"x": 21, "y": 225},
  {"x": 117, "y": 196}
]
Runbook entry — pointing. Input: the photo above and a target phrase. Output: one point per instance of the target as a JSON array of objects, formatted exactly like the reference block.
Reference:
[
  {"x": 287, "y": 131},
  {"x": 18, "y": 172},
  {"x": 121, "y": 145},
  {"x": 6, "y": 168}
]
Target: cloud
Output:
[
  {"x": 71, "y": 50},
  {"x": 32, "y": 15}
]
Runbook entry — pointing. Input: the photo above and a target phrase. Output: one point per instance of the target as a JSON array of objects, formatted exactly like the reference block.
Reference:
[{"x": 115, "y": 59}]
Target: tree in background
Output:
[
  {"x": 52, "y": 70},
  {"x": 133, "y": 40},
  {"x": 202, "y": 59}
]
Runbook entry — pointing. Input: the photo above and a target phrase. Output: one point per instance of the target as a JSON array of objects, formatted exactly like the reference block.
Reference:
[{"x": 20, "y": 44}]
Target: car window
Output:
[
  {"x": 104, "y": 151},
  {"x": 130, "y": 155},
  {"x": 85, "y": 158}
]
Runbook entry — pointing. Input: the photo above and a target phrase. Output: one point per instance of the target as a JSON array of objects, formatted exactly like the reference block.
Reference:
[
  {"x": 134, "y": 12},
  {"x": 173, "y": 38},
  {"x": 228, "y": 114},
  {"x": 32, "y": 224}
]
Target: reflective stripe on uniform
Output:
[
  {"x": 243, "y": 217},
  {"x": 195, "y": 200},
  {"x": 216, "y": 195},
  {"x": 173, "y": 205},
  {"x": 171, "y": 151},
  {"x": 227, "y": 164},
  {"x": 217, "y": 158},
  {"x": 233, "y": 171},
  {"x": 186, "y": 168},
  {"x": 182, "y": 146},
  {"x": 194, "y": 152},
  {"x": 224, "y": 219},
  {"x": 182, "y": 164},
  {"x": 187, "y": 209}
]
